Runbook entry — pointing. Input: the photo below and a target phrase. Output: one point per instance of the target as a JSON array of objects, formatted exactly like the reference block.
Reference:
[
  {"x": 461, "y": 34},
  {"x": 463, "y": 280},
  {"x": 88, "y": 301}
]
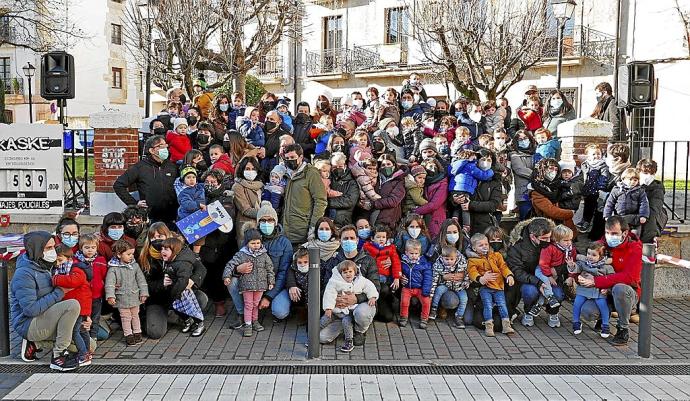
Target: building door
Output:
[{"x": 333, "y": 57}]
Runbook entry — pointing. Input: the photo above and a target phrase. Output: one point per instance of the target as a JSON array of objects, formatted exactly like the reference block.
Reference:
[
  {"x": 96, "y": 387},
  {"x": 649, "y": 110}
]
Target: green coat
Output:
[{"x": 305, "y": 198}]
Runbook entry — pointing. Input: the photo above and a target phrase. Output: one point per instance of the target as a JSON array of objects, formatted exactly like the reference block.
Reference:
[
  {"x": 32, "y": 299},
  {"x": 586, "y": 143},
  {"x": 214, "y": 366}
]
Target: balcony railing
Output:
[
  {"x": 329, "y": 61},
  {"x": 7, "y": 34},
  {"x": 270, "y": 68},
  {"x": 584, "y": 42},
  {"x": 13, "y": 86}
]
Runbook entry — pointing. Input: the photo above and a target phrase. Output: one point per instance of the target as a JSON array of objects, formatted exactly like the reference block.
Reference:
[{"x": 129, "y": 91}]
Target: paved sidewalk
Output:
[{"x": 350, "y": 387}]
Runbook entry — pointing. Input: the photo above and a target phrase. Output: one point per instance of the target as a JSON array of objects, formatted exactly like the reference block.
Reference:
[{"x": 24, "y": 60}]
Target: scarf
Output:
[
  {"x": 63, "y": 268},
  {"x": 154, "y": 253},
  {"x": 550, "y": 189},
  {"x": 79, "y": 255},
  {"x": 568, "y": 252},
  {"x": 596, "y": 164},
  {"x": 327, "y": 249},
  {"x": 254, "y": 254},
  {"x": 252, "y": 185}
]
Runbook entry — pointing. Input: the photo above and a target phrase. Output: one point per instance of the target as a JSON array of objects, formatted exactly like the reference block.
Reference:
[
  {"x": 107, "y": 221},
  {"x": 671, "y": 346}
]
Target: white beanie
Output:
[
  {"x": 180, "y": 121},
  {"x": 266, "y": 210}
]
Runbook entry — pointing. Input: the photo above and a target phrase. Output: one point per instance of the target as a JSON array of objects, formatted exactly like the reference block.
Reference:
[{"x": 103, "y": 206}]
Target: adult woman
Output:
[
  {"x": 558, "y": 110},
  {"x": 606, "y": 110},
  {"x": 112, "y": 229},
  {"x": 345, "y": 185},
  {"x": 268, "y": 102},
  {"x": 387, "y": 140},
  {"x": 159, "y": 301},
  {"x": 436, "y": 193},
  {"x": 219, "y": 116},
  {"x": 323, "y": 107},
  {"x": 450, "y": 234},
  {"x": 363, "y": 231},
  {"x": 391, "y": 187},
  {"x": 237, "y": 147},
  {"x": 413, "y": 227},
  {"x": 247, "y": 189},
  {"x": 488, "y": 196},
  {"x": 546, "y": 184},
  {"x": 336, "y": 144},
  {"x": 521, "y": 161},
  {"x": 325, "y": 237},
  {"x": 67, "y": 232}
]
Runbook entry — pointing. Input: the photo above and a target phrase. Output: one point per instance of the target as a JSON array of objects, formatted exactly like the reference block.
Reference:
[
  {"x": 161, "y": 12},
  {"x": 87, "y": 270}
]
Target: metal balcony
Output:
[
  {"x": 270, "y": 68},
  {"x": 328, "y": 61},
  {"x": 584, "y": 42}
]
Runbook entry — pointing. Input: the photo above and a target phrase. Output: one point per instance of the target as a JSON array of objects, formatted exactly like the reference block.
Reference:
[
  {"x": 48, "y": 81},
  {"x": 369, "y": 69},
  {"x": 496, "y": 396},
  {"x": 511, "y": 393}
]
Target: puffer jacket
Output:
[
  {"x": 300, "y": 133},
  {"x": 295, "y": 278},
  {"x": 436, "y": 192},
  {"x": 550, "y": 149},
  {"x": 261, "y": 276},
  {"x": 189, "y": 198},
  {"x": 543, "y": 207},
  {"x": 254, "y": 136},
  {"x": 380, "y": 254},
  {"x": 306, "y": 201},
  {"x": 466, "y": 175},
  {"x": 627, "y": 265},
  {"x": 522, "y": 164},
  {"x": 126, "y": 283},
  {"x": 235, "y": 113},
  {"x": 366, "y": 266},
  {"x": 78, "y": 280},
  {"x": 484, "y": 203},
  {"x": 178, "y": 145},
  {"x": 180, "y": 271},
  {"x": 582, "y": 265},
  {"x": 411, "y": 140},
  {"x": 657, "y": 214},
  {"x": 419, "y": 274},
  {"x": 392, "y": 190},
  {"x": 523, "y": 254},
  {"x": 492, "y": 262},
  {"x": 99, "y": 269},
  {"x": 476, "y": 128},
  {"x": 224, "y": 163},
  {"x": 414, "y": 195},
  {"x": 631, "y": 203},
  {"x": 345, "y": 203},
  {"x": 367, "y": 191},
  {"x": 571, "y": 193},
  {"x": 337, "y": 284},
  {"x": 440, "y": 269},
  {"x": 279, "y": 250}
]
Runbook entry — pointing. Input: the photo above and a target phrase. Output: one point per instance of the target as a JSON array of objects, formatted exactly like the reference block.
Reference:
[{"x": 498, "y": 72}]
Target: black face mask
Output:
[
  {"x": 291, "y": 164},
  {"x": 192, "y": 120},
  {"x": 338, "y": 148},
  {"x": 440, "y": 113},
  {"x": 269, "y": 105},
  {"x": 269, "y": 125},
  {"x": 201, "y": 166},
  {"x": 544, "y": 244},
  {"x": 203, "y": 139},
  {"x": 496, "y": 245},
  {"x": 133, "y": 230},
  {"x": 301, "y": 118},
  {"x": 157, "y": 244},
  {"x": 338, "y": 172},
  {"x": 378, "y": 146},
  {"x": 159, "y": 131}
]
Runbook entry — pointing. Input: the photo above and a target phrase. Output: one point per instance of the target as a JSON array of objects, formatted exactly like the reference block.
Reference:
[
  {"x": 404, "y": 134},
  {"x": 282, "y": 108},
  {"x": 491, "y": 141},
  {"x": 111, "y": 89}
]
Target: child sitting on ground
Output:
[
  {"x": 414, "y": 185},
  {"x": 346, "y": 278},
  {"x": 191, "y": 197},
  {"x": 482, "y": 260},
  {"x": 418, "y": 278},
  {"x": 450, "y": 274},
  {"x": 466, "y": 174},
  {"x": 547, "y": 146},
  {"x": 628, "y": 200},
  {"x": 251, "y": 285},
  {"x": 275, "y": 189},
  {"x": 126, "y": 289},
  {"x": 594, "y": 264},
  {"x": 87, "y": 254},
  {"x": 220, "y": 160},
  {"x": 559, "y": 251}
]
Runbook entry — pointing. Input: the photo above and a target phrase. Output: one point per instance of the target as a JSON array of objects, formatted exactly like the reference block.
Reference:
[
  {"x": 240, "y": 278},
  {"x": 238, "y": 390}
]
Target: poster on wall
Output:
[{"x": 31, "y": 169}]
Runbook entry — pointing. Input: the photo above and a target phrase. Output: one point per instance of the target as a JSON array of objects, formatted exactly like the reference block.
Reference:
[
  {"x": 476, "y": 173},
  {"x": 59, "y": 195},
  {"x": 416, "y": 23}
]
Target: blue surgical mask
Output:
[
  {"x": 69, "y": 240},
  {"x": 349, "y": 246},
  {"x": 364, "y": 233},
  {"x": 452, "y": 238},
  {"x": 116, "y": 233},
  {"x": 458, "y": 114},
  {"x": 163, "y": 154},
  {"x": 266, "y": 228},
  {"x": 324, "y": 235},
  {"x": 414, "y": 231},
  {"x": 224, "y": 107},
  {"x": 406, "y": 104},
  {"x": 523, "y": 143},
  {"x": 614, "y": 240}
]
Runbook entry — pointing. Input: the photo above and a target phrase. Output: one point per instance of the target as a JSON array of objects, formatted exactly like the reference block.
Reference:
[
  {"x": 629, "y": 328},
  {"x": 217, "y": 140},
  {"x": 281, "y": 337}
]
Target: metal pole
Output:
[
  {"x": 616, "y": 57},
  {"x": 559, "y": 66},
  {"x": 644, "y": 341},
  {"x": 31, "y": 108},
  {"x": 148, "y": 67},
  {"x": 314, "y": 306},
  {"x": 4, "y": 308}
]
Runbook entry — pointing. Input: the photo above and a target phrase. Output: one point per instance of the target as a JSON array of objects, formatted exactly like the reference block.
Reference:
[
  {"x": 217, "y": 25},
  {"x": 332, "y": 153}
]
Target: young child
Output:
[
  {"x": 414, "y": 184},
  {"x": 251, "y": 129},
  {"x": 655, "y": 195},
  {"x": 482, "y": 260},
  {"x": 251, "y": 285},
  {"x": 126, "y": 289},
  {"x": 236, "y": 111},
  {"x": 412, "y": 137},
  {"x": 76, "y": 276},
  {"x": 497, "y": 240},
  {"x": 494, "y": 117},
  {"x": 191, "y": 197},
  {"x": 466, "y": 174},
  {"x": 555, "y": 255},
  {"x": 547, "y": 146},
  {"x": 571, "y": 187},
  {"x": 629, "y": 200},
  {"x": 462, "y": 141},
  {"x": 275, "y": 189},
  {"x": 450, "y": 274},
  {"x": 346, "y": 278},
  {"x": 360, "y": 148},
  {"x": 381, "y": 249},
  {"x": 441, "y": 143},
  {"x": 596, "y": 176},
  {"x": 178, "y": 141},
  {"x": 220, "y": 160},
  {"x": 87, "y": 254},
  {"x": 178, "y": 266},
  {"x": 322, "y": 132},
  {"x": 420, "y": 276},
  {"x": 595, "y": 264},
  {"x": 365, "y": 172},
  {"x": 298, "y": 275},
  {"x": 389, "y": 105},
  {"x": 284, "y": 113},
  {"x": 530, "y": 114},
  {"x": 324, "y": 167}
]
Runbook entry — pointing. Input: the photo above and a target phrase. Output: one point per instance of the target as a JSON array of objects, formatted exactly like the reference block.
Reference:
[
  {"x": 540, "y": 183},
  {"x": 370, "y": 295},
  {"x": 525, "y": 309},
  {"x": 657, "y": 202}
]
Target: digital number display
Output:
[{"x": 23, "y": 183}]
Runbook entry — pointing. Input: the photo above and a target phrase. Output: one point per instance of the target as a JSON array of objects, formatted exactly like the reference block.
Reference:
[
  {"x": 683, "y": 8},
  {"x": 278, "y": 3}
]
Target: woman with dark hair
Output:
[
  {"x": 347, "y": 192},
  {"x": 450, "y": 234},
  {"x": 325, "y": 237},
  {"x": 521, "y": 155},
  {"x": 436, "y": 193},
  {"x": 247, "y": 189},
  {"x": 112, "y": 229},
  {"x": 323, "y": 107},
  {"x": 391, "y": 187},
  {"x": 546, "y": 190},
  {"x": 487, "y": 198},
  {"x": 67, "y": 232},
  {"x": 219, "y": 116},
  {"x": 558, "y": 110},
  {"x": 268, "y": 102},
  {"x": 607, "y": 110},
  {"x": 237, "y": 147}
]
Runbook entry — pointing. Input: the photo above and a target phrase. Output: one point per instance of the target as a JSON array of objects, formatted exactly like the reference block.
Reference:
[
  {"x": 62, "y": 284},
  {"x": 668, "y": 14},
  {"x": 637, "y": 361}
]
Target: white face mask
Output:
[
  {"x": 50, "y": 256},
  {"x": 250, "y": 175},
  {"x": 476, "y": 117},
  {"x": 556, "y": 103},
  {"x": 414, "y": 232},
  {"x": 646, "y": 179},
  {"x": 393, "y": 131},
  {"x": 358, "y": 103},
  {"x": 303, "y": 268}
]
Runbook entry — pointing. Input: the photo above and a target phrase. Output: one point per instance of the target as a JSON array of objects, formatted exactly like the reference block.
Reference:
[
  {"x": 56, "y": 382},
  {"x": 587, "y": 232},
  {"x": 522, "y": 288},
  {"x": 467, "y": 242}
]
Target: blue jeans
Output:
[
  {"x": 602, "y": 304},
  {"x": 489, "y": 297},
  {"x": 548, "y": 292},
  {"x": 280, "y": 305},
  {"x": 462, "y": 296},
  {"x": 96, "y": 305},
  {"x": 524, "y": 207},
  {"x": 530, "y": 294},
  {"x": 81, "y": 337}
]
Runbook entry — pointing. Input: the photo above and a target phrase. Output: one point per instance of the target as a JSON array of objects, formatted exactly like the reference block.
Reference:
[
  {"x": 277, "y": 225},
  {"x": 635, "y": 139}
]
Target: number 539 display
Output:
[{"x": 23, "y": 183}]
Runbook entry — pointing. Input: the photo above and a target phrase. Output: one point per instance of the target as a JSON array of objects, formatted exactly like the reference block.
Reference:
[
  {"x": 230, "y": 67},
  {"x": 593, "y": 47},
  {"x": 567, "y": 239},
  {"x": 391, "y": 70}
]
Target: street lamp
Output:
[
  {"x": 145, "y": 7},
  {"x": 562, "y": 11},
  {"x": 29, "y": 71}
]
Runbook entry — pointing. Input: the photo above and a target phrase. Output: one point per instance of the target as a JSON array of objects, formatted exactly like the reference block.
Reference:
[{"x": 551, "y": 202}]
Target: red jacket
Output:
[
  {"x": 551, "y": 257},
  {"x": 99, "y": 267},
  {"x": 627, "y": 264},
  {"x": 388, "y": 251},
  {"x": 178, "y": 145},
  {"x": 532, "y": 122},
  {"x": 82, "y": 290},
  {"x": 105, "y": 245},
  {"x": 224, "y": 163}
]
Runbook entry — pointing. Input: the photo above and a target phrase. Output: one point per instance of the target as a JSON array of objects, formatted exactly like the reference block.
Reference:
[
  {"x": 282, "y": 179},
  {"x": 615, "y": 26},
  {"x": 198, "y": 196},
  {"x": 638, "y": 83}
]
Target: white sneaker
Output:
[
  {"x": 527, "y": 320},
  {"x": 554, "y": 321}
]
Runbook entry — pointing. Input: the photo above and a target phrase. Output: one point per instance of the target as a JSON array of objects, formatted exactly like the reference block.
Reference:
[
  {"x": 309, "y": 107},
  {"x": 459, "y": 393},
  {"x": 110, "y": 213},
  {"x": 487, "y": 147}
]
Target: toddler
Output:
[
  {"x": 494, "y": 117},
  {"x": 443, "y": 149},
  {"x": 346, "y": 278},
  {"x": 381, "y": 249},
  {"x": 462, "y": 141},
  {"x": 275, "y": 189},
  {"x": 87, "y": 254},
  {"x": 322, "y": 133},
  {"x": 126, "y": 289},
  {"x": 466, "y": 174},
  {"x": 412, "y": 137},
  {"x": 482, "y": 260},
  {"x": 450, "y": 274},
  {"x": 571, "y": 187},
  {"x": 360, "y": 148},
  {"x": 655, "y": 196},
  {"x": 596, "y": 176},
  {"x": 191, "y": 197},
  {"x": 251, "y": 285},
  {"x": 559, "y": 251},
  {"x": 365, "y": 172},
  {"x": 595, "y": 264},
  {"x": 414, "y": 184},
  {"x": 389, "y": 105},
  {"x": 251, "y": 129},
  {"x": 285, "y": 114},
  {"x": 530, "y": 114},
  {"x": 220, "y": 160},
  {"x": 418, "y": 277},
  {"x": 76, "y": 276},
  {"x": 547, "y": 146},
  {"x": 324, "y": 167},
  {"x": 629, "y": 200},
  {"x": 178, "y": 141},
  {"x": 237, "y": 110}
]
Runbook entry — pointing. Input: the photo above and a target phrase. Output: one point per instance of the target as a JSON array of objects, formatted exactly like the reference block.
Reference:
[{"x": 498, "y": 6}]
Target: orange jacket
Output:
[
  {"x": 493, "y": 262},
  {"x": 544, "y": 208}
]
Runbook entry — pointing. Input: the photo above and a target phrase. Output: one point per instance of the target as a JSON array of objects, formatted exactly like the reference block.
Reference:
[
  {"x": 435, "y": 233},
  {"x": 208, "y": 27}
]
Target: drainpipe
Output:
[{"x": 617, "y": 55}]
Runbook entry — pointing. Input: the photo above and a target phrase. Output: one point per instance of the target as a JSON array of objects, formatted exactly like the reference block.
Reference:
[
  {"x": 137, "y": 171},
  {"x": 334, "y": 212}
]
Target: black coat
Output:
[
  {"x": 485, "y": 201},
  {"x": 523, "y": 258},
  {"x": 180, "y": 271},
  {"x": 300, "y": 133},
  {"x": 344, "y": 204},
  {"x": 657, "y": 216}
]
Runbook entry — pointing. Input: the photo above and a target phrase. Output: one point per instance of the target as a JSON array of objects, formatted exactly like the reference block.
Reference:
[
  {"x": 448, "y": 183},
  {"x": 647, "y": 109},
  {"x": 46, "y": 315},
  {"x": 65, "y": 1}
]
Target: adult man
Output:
[
  {"x": 363, "y": 314},
  {"x": 301, "y": 126},
  {"x": 523, "y": 258},
  {"x": 273, "y": 132},
  {"x": 153, "y": 176},
  {"x": 305, "y": 196},
  {"x": 38, "y": 312},
  {"x": 626, "y": 251}
]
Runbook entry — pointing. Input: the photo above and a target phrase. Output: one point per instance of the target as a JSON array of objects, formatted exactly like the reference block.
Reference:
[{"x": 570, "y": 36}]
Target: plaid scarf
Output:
[
  {"x": 568, "y": 252},
  {"x": 79, "y": 255},
  {"x": 256, "y": 253},
  {"x": 63, "y": 268}
]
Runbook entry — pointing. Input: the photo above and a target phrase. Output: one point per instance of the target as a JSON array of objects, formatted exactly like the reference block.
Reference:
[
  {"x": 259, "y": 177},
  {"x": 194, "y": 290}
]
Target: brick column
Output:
[{"x": 576, "y": 134}]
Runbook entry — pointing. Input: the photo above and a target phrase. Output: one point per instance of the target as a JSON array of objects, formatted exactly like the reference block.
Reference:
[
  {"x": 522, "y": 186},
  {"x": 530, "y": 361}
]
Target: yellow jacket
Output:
[
  {"x": 204, "y": 101},
  {"x": 492, "y": 262}
]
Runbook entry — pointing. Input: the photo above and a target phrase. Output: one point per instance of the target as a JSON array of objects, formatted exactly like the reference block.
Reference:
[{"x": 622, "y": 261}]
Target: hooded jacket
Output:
[
  {"x": 630, "y": 203},
  {"x": 436, "y": 192},
  {"x": 345, "y": 203},
  {"x": 126, "y": 283},
  {"x": 523, "y": 254},
  {"x": 466, "y": 175},
  {"x": 254, "y": 135},
  {"x": 419, "y": 274},
  {"x": 224, "y": 163},
  {"x": 31, "y": 289},
  {"x": 366, "y": 266},
  {"x": 381, "y": 253},
  {"x": 189, "y": 198},
  {"x": 440, "y": 270},
  {"x": 178, "y": 145},
  {"x": 360, "y": 285},
  {"x": 78, "y": 280},
  {"x": 582, "y": 265},
  {"x": 493, "y": 262},
  {"x": 392, "y": 191},
  {"x": 180, "y": 271},
  {"x": 261, "y": 276},
  {"x": 306, "y": 201}
]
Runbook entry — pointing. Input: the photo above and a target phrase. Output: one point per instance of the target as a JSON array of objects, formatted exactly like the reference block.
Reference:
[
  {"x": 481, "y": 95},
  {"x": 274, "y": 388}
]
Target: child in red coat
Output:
[
  {"x": 530, "y": 114},
  {"x": 75, "y": 277},
  {"x": 382, "y": 249},
  {"x": 88, "y": 254},
  {"x": 221, "y": 160},
  {"x": 559, "y": 253},
  {"x": 178, "y": 141}
]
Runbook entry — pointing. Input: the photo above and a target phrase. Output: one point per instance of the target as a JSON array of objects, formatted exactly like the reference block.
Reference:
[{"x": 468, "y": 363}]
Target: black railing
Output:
[
  {"x": 78, "y": 151},
  {"x": 328, "y": 61},
  {"x": 583, "y": 42},
  {"x": 270, "y": 67}
]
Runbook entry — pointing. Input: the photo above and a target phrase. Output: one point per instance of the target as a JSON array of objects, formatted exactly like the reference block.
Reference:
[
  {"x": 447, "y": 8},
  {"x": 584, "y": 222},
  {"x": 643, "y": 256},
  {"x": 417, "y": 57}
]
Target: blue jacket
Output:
[
  {"x": 189, "y": 198},
  {"x": 31, "y": 289},
  {"x": 402, "y": 238},
  {"x": 416, "y": 112},
  {"x": 419, "y": 275},
  {"x": 280, "y": 250},
  {"x": 322, "y": 142},
  {"x": 550, "y": 149},
  {"x": 476, "y": 128},
  {"x": 254, "y": 136},
  {"x": 287, "y": 121},
  {"x": 233, "y": 113},
  {"x": 466, "y": 175},
  {"x": 276, "y": 200}
]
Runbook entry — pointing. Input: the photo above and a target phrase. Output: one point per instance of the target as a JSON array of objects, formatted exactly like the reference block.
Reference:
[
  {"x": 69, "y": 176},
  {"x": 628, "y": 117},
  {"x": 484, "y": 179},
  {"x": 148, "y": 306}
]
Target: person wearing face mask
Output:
[
  {"x": 136, "y": 225},
  {"x": 629, "y": 200},
  {"x": 466, "y": 173},
  {"x": 558, "y": 110},
  {"x": 203, "y": 140},
  {"x": 302, "y": 126},
  {"x": 157, "y": 127},
  {"x": 247, "y": 189},
  {"x": 474, "y": 120},
  {"x": 607, "y": 110},
  {"x": 39, "y": 314},
  {"x": 388, "y": 140},
  {"x": 67, "y": 232},
  {"x": 410, "y": 108},
  {"x": 297, "y": 277},
  {"x": 617, "y": 161},
  {"x": 322, "y": 108},
  {"x": 546, "y": 192},
  {"x": 413, "y": 227},
  {"x": 521, "y": 155},
  {"x": 152, "y": 177},
  {"x": 391, "y": 187},
  {"x": 193, "y": 119},
  {"x": 655, "y": 195},
  {"x": 268, "y": 102},
  {"x": 436, "y": 193},
  {"x": 347, "y": 190},
  {"x": 112, "y": 229},
  {"x": 276, "y": 140},
  {"x": 487, "y": 197}
]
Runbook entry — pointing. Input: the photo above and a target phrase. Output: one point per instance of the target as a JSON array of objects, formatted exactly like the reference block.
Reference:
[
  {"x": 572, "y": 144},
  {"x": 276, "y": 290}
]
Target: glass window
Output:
[
  {"x": 396, "y": 24},
  {"x": 117, "y": 78},
  {"x": 116, "y": 34}
]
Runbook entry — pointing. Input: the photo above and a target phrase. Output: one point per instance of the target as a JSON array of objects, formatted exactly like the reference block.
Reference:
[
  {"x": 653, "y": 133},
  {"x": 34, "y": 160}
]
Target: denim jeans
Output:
[
  {"x": 363, "y": 316},
  {"x": 601, "y": 303},
  {"x": 624, "y": 299},
  {"x": 280, "y": 305},
  {"x": 81, "y": 337},
  {"x": 548, "y": 292},
  {"x": 530, "y": 295},
  {"x": 95, "y": 316},
  {"x": 489, "y": 297},
  {"x": 462, "y": 298},
  {"x": 524, "y": 207}
]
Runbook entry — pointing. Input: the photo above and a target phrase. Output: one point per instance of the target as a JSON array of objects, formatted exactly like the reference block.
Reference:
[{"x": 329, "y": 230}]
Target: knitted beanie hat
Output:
[
  {"x": 427, "y": 143},
  {"x": 384, "y": 123},
  {"x": 417, "y": 170},
  {"x": 188, "y": 170},
  {"x": 266, "y": 210}
]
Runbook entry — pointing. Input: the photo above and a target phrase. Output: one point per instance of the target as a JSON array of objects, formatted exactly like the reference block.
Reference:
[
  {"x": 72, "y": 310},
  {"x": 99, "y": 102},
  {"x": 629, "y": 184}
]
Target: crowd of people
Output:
[{"x": 402, "y": 194}]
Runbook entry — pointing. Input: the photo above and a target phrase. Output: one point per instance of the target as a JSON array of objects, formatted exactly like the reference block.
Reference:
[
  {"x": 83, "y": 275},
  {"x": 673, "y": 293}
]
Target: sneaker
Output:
[
  {"x": 85, "y": 360},
  {"x": 635, "y": 318},
  {"x": 348, "y": 346},
  {"x": 535, "y": 310},
  {"x": 515, "y": 316},
  {"x": 402, "y": 322},
  {"x": 423, "y": 324},
  {"x": 130, "y": 340},
  {"x": 553, "y": 302},
  {"x": 605, "y": 331},
  {"x": 621, "y": 338},
  {"x": 359, "y": 339},
  {"x": 187, "y": 325},
  {"x": 583, "y": 226},
  {"x": 256, "y": 326},
  {"x": 29, "y": 350},
  {"x": 237, "y": 324},
  {"x": 138, "y": 339},
  {"x": 64, "y": 362},
  {"x": 554, "y": 321},
  {"x": 577, "y": 328},
  {"x": 199, "y": 329},
  {"x": 247, "y": 330},
  {"x": 458, "y": 322},
  {"x": 432, "y": 314},
  {"x": 527, "y": 320},
  {"x": 597, "y": 325}
]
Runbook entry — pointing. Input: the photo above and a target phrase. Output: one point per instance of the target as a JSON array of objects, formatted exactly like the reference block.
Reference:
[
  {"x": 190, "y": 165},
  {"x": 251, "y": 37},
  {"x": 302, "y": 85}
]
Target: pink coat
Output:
[{"x": 435, "y": 211}]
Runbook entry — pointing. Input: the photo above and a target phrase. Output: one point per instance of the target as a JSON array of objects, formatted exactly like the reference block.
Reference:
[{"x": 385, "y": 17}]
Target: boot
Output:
[
  {"x": 220, "y": 308},
  {"x": 507, "y": 329},
  {"x": 489, "y": 328}
]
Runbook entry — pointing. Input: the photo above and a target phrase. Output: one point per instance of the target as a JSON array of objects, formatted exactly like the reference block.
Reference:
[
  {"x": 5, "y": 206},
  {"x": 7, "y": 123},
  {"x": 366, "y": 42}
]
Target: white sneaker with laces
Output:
[
  {"x": 527, "y": 320},
  {"x": 554, "y": 321}
]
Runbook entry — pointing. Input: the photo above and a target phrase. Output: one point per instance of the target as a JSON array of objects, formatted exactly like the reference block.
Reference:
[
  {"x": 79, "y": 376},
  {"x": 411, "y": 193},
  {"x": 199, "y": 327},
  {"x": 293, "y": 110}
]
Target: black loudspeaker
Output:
[
  {"x": 641, "y": 84},
  {"x": 57, "y": 76}
]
